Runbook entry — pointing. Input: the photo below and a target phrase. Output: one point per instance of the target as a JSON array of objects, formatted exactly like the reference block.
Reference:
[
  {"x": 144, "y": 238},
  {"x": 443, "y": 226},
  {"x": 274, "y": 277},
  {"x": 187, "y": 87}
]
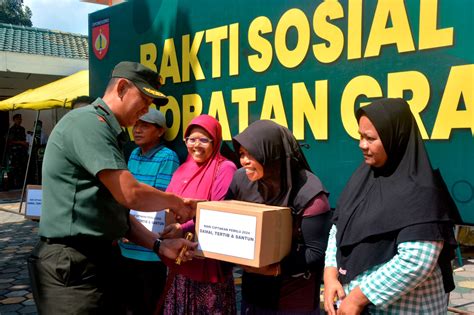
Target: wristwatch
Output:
[{"x": 156, "y": 246}]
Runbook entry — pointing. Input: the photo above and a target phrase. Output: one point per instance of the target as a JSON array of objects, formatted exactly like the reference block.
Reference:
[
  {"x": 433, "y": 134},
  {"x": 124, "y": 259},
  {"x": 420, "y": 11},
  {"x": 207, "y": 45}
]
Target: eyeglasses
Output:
[{"x": 192, "y": 141}]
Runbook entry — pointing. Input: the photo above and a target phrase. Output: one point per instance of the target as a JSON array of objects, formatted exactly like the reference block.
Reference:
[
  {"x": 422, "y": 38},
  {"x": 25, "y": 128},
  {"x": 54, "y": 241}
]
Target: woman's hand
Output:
[
  {"x": 173, "y": 230},
  {"x": 270, "y": 270},
  {"x": 332, "y": 289},
  {"x": 354, "y": 303}
]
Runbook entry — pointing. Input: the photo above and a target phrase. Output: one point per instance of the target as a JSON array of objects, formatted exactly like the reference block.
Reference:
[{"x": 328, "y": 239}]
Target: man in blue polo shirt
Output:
[{"x": 152, "y": 163}]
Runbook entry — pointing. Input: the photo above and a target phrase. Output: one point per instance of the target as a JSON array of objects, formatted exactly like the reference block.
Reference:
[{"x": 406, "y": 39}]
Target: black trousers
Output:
[
  {"x": 142, "y": 283},
  {"x": 74, "y": 277}
]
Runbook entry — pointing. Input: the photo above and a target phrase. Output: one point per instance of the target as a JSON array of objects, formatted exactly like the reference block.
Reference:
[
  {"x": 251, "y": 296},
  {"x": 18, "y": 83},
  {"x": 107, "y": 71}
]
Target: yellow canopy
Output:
[{"x": 59, "y": 93}]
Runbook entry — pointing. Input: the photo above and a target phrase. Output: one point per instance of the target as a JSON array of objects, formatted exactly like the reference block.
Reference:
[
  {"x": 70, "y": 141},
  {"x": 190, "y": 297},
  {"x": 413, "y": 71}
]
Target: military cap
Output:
[{"x": 145, "y": 79}]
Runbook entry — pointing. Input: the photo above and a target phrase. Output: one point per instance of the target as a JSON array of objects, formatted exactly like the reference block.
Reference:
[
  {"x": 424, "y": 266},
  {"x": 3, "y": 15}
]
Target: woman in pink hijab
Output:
[{"x": 201, "y": 286}]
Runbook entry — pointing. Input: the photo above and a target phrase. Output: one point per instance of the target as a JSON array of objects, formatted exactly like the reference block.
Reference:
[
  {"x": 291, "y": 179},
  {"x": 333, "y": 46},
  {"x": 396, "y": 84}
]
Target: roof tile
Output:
[{"x": 39, "y": 41}]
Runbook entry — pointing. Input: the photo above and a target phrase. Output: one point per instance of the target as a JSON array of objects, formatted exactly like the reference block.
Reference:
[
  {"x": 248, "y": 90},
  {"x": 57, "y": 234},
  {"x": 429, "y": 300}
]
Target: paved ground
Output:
[
  {"x": 463, "y": 296},
  {"x": 18, "y": 236}
]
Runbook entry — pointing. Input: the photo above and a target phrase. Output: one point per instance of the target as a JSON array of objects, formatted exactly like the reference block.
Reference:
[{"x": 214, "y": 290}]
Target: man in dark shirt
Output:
[{"x": 18, "y": 151}]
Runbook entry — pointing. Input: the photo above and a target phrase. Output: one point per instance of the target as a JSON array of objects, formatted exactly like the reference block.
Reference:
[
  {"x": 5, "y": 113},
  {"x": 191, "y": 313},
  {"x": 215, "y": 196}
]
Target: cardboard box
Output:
[{"x": 244, "y": 233}]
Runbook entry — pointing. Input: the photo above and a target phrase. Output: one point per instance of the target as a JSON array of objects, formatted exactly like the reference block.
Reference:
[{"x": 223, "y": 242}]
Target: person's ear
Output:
[
  {"x": 122, "y": 86},
  {"x": 161, "y": 132}
]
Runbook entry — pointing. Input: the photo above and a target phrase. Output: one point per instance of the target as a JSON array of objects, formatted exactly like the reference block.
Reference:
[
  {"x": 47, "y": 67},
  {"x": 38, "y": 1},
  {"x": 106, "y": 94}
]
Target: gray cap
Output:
[{"x": 154, "y": 117}]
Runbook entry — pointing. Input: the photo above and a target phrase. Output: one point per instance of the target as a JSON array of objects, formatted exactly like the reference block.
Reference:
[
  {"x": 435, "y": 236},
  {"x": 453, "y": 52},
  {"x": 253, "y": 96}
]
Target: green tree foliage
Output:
[{"x": 15, "y": 12}]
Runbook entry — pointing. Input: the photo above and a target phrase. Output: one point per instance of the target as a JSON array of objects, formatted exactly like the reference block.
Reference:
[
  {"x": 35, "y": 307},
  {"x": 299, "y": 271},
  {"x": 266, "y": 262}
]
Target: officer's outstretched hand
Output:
[
  {"x": 186, "y": 211},
  {"x": 171, "y": 247}
]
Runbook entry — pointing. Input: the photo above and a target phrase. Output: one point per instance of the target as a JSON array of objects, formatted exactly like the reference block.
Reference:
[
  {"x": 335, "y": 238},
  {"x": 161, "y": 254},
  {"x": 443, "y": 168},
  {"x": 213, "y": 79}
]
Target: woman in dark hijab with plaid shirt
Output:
[{"x": 390, "y": 247}]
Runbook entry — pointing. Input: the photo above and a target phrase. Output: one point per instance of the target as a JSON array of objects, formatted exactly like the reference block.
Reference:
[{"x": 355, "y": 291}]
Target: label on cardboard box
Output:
[
  {"x": 227, "y": 233},
  {"x": 244, "y": 233}
]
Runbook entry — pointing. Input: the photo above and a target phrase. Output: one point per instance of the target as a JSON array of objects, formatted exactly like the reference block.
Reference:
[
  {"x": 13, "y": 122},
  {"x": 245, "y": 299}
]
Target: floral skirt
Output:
[{"x": 187, "y": 296}]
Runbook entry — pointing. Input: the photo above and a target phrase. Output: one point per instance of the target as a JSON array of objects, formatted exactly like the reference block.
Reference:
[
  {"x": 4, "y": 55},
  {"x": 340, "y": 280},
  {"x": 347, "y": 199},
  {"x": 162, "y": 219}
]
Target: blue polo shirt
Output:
[{"x": 154, "y": 168}]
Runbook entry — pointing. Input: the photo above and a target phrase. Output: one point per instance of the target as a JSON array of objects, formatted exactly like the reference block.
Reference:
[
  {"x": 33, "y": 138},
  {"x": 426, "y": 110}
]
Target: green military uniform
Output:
[
  {"x": 72, "y": 266},
  {"x": 80, "y": 217},
  {"x": 75, "y": 202}
]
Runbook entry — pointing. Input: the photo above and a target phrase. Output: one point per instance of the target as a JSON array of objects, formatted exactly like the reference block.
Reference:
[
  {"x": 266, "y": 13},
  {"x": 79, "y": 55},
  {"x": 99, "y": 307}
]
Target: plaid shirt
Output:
[{"x": 409, "y": 283}]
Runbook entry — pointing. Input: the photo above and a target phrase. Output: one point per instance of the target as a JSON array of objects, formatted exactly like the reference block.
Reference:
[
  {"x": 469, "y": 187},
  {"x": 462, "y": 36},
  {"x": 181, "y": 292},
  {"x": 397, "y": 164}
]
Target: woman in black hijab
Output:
[
  {"x": 389, "y": 251},
  {"x": 275, "y": 172}
]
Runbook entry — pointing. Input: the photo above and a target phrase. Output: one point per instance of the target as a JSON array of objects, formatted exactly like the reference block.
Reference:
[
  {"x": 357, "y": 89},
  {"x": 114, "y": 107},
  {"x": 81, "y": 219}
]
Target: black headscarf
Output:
[
  {"x": 404, "y": 200},
  {"x": 287, "y": 179}
]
